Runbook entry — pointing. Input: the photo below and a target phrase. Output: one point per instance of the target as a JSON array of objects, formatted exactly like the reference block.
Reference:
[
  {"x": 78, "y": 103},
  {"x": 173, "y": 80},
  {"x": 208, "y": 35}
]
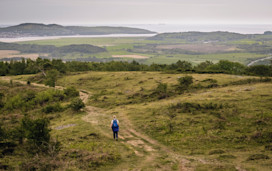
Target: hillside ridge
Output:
[{"x": 39, "y": 29}]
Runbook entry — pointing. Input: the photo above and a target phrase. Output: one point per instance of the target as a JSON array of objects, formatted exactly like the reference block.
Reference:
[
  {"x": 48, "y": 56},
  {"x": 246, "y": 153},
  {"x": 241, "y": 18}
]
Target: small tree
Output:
[
  {"x": 51, "y": 78},
  {"x": 77, "y": 104},
  {"x": 161, "y": 90},
  {"x": 37, "y": 134},
  {"x": 184, "y": 83}
]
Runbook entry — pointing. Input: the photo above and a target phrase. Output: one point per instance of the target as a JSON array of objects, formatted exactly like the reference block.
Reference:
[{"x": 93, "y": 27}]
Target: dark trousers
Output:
[{"x": 115, "y": 134}]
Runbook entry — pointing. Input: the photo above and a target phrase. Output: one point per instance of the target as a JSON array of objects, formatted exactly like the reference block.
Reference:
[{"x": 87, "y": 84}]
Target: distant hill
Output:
[
  {"x": 34, "y": 29},
  {"x": 32, "y": 48},
  {"x": 202, "y": 36}
]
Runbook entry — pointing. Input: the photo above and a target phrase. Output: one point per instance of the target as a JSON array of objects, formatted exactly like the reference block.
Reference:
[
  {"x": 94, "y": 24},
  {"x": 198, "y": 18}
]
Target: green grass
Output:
[
  {"x": 84, "y": 147},
  {"x": 234, "y": 128},
  {"x": 222, "y": 126}
]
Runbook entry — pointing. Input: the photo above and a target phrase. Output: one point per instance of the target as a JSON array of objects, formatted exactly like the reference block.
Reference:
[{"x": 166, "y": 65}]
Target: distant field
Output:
[
  {"x": 201, "y": 48},
  {"x": 103, "y": 41},
  {"x": 157, "y": 51},
  {"x": 14, "y": 54},
  {"x": 130, "y": 56}
]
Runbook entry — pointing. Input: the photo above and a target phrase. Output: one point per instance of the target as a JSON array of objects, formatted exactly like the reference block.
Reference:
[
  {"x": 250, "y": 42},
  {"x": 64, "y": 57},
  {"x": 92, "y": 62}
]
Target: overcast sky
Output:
[{"x": 86, "y": 12}]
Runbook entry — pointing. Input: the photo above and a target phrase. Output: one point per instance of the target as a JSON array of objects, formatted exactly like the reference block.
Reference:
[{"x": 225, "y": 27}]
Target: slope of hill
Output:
[
  {"x": 202, "y": 36},
  {"x": 32, "y": 48},
  {"x": 35, "y": 29}
]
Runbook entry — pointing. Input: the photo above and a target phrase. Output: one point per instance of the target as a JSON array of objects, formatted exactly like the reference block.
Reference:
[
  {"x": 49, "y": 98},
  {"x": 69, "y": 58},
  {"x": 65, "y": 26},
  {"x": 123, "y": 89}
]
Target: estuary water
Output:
[
  {"x": 162, "y": 28},
  {"x": 22, "y": 39}
]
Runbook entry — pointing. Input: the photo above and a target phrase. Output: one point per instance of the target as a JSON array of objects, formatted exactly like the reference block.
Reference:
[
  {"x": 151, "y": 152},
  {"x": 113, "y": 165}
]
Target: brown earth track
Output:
[{"x": 146, "y": 148}]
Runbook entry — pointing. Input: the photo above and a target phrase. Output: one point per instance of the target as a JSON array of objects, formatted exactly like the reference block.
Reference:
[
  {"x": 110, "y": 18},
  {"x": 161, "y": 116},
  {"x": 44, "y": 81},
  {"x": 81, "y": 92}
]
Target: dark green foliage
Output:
[
  {"x": 216, "y": 152},
  {"x": 71, "y": 92},
  {"x": 268, "y": 147},
  {"x": 77, "y": 104},
  {"x": 37, "y": 134},
  {"x": 52, "y": 108},
  {"x": 27, "y": 100},
  {"x": 261, "y": 70},
  {"x": 161, "y": 91},
  {"x": 248, "y": 81},
  {"x": 226, "y": 156},
  {"x": 262, "y": 137},
  {"x": 210, "y": 80},
  {"x": 257, "y": 157},
  {"x": 51, "y": 78},
  {"x": 228, "y": 67},
  {"x": 184, "y": 83},
  {"x": 203, "y": 66},
  {"x": 44, "y": 65}
]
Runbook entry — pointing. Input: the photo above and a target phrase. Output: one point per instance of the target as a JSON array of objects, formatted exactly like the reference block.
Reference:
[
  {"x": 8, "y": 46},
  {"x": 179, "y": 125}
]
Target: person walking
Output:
[{"x": 115, "y": 127}]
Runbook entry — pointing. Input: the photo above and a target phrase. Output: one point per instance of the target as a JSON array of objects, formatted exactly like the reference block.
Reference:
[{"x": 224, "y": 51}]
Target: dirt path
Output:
[
  {"x": 149, "y": 151},
  {"x": 151, "y": 154},
  {"x": 258, "y": 60}
]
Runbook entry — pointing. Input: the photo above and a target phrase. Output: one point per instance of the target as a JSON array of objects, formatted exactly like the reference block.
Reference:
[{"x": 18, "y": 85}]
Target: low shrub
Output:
[
  {"x": 268, "y": 147},
  {"x": 51, "y": 108},
  {"x": 71, "y": 92},
  {"x": 161, "y": 91},
  {"x": 229, "y": 156},
  {"x": 262, "y": 137},
  {"x": 37, "y": 134},
  {"x": 77, "y": 104},
  {"x": 216, "y": 152},
  {"x": 257, "y": 157},
  {"x": 184, "y": 83}
]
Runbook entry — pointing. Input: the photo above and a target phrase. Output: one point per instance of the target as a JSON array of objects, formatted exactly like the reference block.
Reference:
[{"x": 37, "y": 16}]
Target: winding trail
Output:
[
  {"x": 148, "y": 151},
  {"x": 258, "y": 60}
]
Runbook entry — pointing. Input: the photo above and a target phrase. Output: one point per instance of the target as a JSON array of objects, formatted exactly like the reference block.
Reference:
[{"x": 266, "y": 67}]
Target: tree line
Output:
[{"x": 28, "y": 66}]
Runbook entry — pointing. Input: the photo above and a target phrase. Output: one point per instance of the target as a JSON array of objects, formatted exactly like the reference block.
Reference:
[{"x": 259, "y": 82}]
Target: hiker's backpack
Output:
[{"x": 115, "y": 126}]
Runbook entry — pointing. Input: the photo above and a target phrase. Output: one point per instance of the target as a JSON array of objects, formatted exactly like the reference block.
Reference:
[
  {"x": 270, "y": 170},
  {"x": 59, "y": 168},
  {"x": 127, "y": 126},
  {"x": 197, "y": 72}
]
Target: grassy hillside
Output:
[
  {"x": 219, "y": 122},
  {"x": 82, "y": 146},
  {"x": 34, "y": 29},
  {"x": 228, "y": 125}
]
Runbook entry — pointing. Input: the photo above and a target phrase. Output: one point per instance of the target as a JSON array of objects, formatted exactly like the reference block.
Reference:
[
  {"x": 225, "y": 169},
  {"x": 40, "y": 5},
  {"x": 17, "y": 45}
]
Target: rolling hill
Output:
[{"x": 35, "y": 29}]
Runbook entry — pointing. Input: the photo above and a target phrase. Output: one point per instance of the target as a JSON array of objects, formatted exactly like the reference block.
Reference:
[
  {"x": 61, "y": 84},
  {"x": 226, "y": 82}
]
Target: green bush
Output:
[
  {"x": 51, "y": 78},
  {"x": 184, "y": 83},
  {"x": 216, "y": 152},
  {"x": 161, "y": 90},
  {"x": 257, "y": 157},
  {"x": 77, "y": 104},
  {"x": 37, "y": 134},
  {"x": 15, "y": 102},
  {"x": 71, "y": 92},
  {"x": 51, "y": 108}
]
